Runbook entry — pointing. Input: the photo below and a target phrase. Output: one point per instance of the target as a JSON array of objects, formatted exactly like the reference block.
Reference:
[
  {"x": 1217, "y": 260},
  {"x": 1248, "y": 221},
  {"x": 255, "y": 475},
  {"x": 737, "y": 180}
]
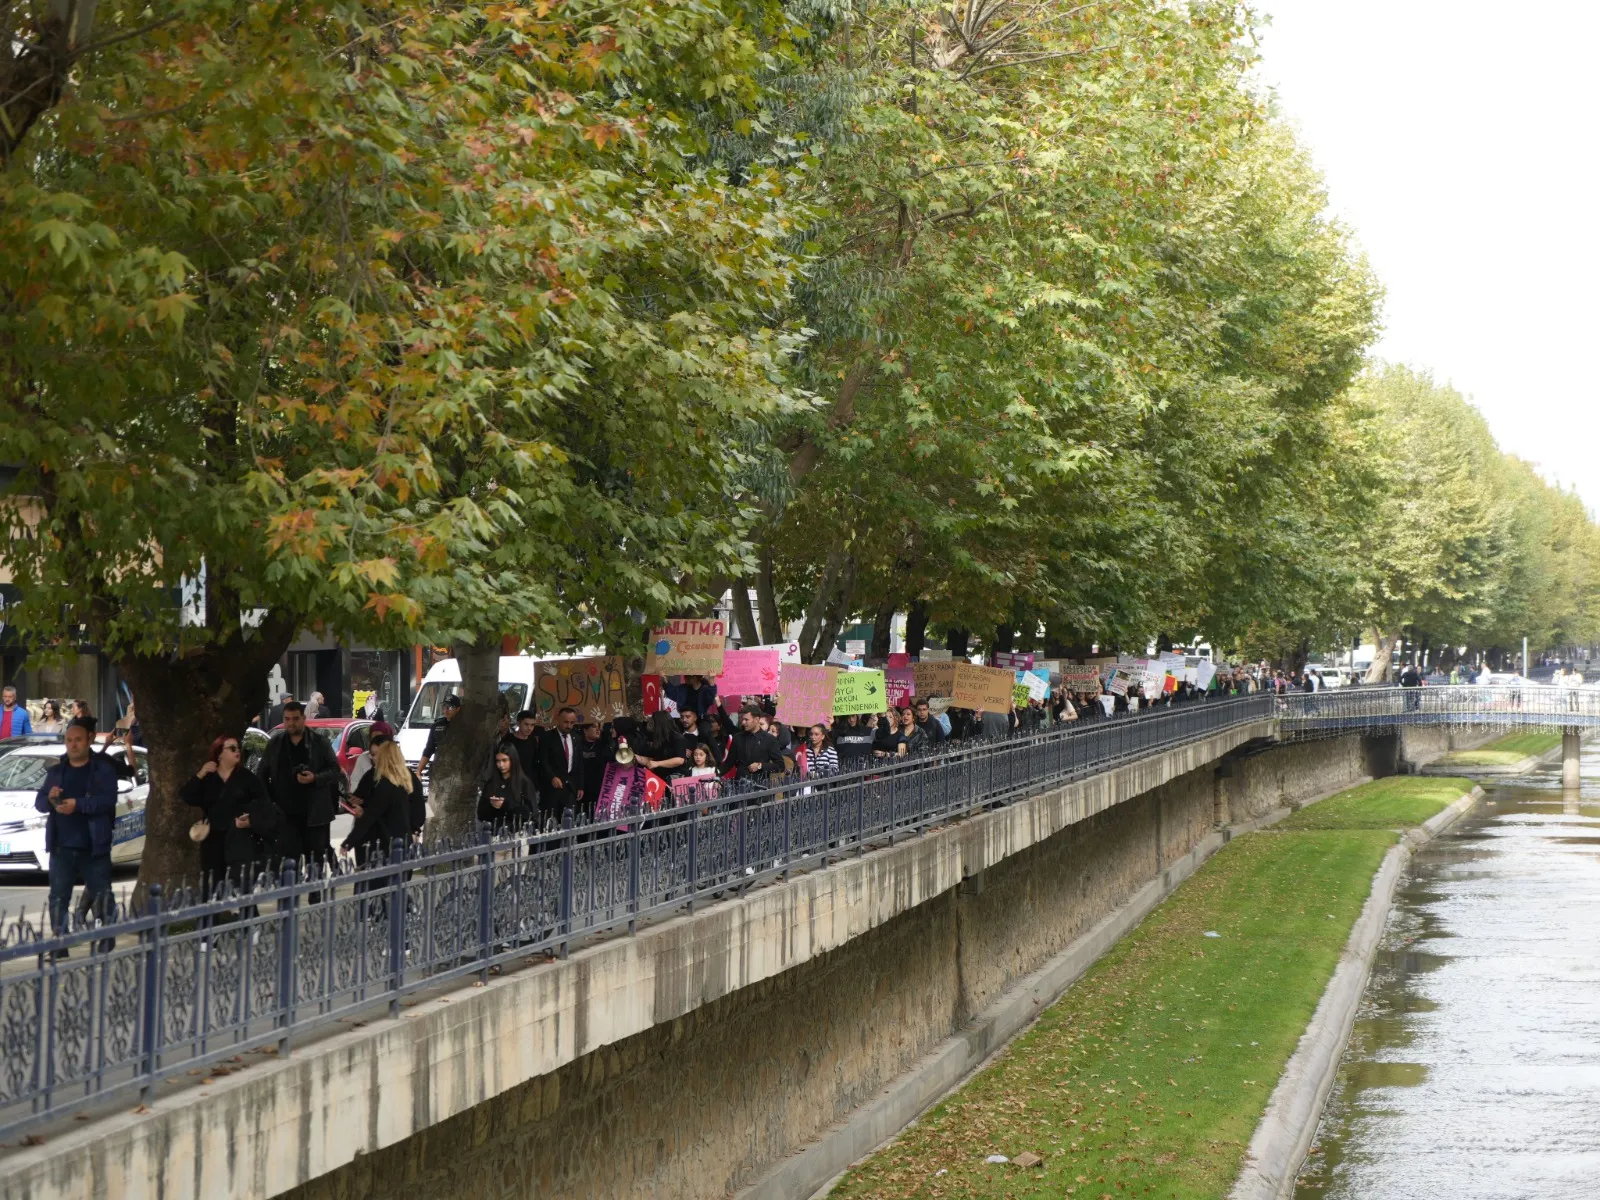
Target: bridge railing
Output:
[
  {"x": 1533, "y": 706},
  {"x": 179, "y": 988}
]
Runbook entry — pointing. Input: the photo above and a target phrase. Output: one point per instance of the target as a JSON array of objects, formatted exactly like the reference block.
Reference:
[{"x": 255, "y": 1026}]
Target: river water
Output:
[{"x": 1474, "y": 1069}]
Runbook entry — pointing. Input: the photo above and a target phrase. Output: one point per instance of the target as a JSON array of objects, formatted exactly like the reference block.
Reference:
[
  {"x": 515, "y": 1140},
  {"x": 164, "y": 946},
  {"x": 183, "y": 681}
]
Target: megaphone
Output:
[{"x": 624, "y": 752}]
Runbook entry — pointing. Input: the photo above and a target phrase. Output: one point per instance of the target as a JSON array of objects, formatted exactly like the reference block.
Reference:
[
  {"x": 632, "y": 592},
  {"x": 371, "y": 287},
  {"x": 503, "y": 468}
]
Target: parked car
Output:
[
  {"x": 22, "y": 772},
  {"x": 1331, "y": 677}
]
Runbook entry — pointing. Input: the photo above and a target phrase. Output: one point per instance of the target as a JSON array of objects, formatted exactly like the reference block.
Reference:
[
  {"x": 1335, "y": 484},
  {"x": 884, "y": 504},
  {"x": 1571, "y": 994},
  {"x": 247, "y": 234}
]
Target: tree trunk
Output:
[
  {"x": 767, "y": 599},
  {"x": 816, "y": 613},
  {"x": 1381, "y": 658},
  {"x": 883, "y": 628},
  {"x": 744, "y": 618},
  {"x": 956, "y": 642},
  {"x": 916, "y": 627},
  {"x": 838, "y": 607},
  {"x": 184, "y": 704},
  {"x": 455, "y": 769},
  {"x": 1004, "y": 638}
]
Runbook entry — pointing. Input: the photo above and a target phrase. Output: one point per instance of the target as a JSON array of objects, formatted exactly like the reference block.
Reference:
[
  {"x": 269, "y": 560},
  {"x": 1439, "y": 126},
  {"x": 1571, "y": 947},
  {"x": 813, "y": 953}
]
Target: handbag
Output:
[{"x": 200, "y": 830}]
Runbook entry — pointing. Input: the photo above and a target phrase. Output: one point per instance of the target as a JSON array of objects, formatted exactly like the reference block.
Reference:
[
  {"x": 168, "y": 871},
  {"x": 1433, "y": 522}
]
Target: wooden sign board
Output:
[
  {"x": 986, "y": 688},
  {"x": 687, "y": 647}
]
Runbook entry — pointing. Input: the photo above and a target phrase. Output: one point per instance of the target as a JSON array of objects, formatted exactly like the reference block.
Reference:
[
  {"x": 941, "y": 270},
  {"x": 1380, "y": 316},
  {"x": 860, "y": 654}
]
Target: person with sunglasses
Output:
[{"x": 241, "y": 821}]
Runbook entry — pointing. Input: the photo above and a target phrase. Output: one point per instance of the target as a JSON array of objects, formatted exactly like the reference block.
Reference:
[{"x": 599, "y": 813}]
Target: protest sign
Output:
[
  {"x": 1080, "y": 679},
  {"x": 934, "y": 678},
  {"x": 787, "y": 651},
  {"x": 1019, "y": 695},
  {"x": 593, "y": 686},
  {"x": 838, "y": 658},
  {"x": 749, "y": 672},
  {"x": 1107, "y": 703},
  {"x": 855, "y": 647},
  {"x": 934, "y": 655},
  {"x": 900, "y": 659},
  {"x": 687, "y": 647},
  {"x": 901, "y": 683},
  {"x": 1013, "y": 660},
  {"x": 1037, "y": 684},
  {"x": 805, "y": 694},
  {"x": 1203, "y": 674},
  {"x": 988, "y": 688},
  {"x": 859, "y": 692},
  {"x": 1117, "y": 685},
  {"x": 1155, "y": 680}
]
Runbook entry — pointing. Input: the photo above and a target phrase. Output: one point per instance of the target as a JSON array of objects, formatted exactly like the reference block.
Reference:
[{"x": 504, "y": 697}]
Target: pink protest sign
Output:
[
  {"x": 899, "y": 660},
  {"x": 749, "y": 672},
  {"x": 900, "y": 683},
  {"x": 805, "y": 694}
]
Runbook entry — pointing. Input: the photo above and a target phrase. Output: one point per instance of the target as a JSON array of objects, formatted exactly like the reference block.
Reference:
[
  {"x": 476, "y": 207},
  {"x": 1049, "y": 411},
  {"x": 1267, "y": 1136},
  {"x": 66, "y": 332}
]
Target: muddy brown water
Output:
[{"x": 1474, "y": 1068}]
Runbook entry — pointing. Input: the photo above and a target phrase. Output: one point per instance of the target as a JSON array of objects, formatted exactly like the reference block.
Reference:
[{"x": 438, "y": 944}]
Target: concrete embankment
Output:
[{"x": 699, "y": 1055}]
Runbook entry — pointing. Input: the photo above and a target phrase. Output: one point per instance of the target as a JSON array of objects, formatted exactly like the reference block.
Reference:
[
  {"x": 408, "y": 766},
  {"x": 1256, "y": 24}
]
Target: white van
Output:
[{"x": 444, "y": 679}]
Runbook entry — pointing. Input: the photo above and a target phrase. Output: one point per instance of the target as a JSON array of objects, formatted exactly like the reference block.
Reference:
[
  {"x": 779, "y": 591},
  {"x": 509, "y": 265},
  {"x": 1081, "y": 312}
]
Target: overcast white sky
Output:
[{"x": 1458, "y": 141}]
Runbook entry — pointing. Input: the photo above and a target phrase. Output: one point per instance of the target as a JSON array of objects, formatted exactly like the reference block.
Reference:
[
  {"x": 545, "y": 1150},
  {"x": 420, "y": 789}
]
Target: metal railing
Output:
[
  {"x": 1534, "y": 706},
  {"x": 181, "y": 988}
]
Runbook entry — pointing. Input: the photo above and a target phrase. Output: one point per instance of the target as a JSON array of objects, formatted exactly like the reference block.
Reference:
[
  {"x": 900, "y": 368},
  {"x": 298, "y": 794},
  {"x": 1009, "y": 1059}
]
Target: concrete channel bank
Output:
[{"x": 696, "y": 1057}]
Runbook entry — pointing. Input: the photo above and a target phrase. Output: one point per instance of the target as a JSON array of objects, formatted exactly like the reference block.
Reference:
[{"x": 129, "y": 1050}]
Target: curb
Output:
[
  {"x": 813, "y": 1170},
  {"x": 1287, "y": 1128}
]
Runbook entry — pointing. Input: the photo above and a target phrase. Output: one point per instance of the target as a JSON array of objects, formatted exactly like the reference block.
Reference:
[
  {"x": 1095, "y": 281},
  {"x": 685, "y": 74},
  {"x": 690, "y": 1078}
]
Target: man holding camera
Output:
[
  {"x": 302, "y": 777},
  {"x": 80, "y": 795}
]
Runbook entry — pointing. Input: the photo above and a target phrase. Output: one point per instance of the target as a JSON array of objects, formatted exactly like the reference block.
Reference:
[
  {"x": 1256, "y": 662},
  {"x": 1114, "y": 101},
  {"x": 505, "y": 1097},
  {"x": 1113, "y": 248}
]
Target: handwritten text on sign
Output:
[
  {"x": 902, "y": 684},
  {"x": 805, "y": 694},
  {"x": 859, "y": 692},
  {"x": 751, "y": 672},
  {"x": 687, "y": 647},
  {"x": 593, "y": 686}
]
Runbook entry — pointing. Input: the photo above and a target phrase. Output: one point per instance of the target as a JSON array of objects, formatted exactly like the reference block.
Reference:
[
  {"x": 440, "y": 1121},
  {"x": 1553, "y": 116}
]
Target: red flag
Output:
[
  {"x": 655, "y": 788},
  {"x": 651, "y": 685}
]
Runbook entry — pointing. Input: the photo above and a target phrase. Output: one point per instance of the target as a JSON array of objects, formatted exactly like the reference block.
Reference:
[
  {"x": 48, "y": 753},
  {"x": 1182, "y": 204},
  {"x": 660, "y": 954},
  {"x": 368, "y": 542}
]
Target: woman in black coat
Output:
[
  {"x": 244, "y": 821},
  {"x": 386, "y": 803},
  {"x": 506, "y": 800}
]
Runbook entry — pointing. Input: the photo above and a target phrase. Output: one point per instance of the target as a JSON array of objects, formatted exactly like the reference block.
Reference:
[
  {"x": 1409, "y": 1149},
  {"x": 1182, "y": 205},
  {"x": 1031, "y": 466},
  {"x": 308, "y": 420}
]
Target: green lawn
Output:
[
  {"x": 1394, "y": 803},
  {"x": 1149, "y": 1076},
  {"x": 1502, "y": 752}
]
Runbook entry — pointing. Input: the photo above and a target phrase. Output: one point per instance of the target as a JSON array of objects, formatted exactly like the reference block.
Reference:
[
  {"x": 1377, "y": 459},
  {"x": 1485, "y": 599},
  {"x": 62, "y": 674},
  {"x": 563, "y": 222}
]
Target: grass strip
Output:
[
  {"x": 1502, "y": 752},
  {"x": 1398, "y": 802},
  {"x": 1150, "y": 1075}
]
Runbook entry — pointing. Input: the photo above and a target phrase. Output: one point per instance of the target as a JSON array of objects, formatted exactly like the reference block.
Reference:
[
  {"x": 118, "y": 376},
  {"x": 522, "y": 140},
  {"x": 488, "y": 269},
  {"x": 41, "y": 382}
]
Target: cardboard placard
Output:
[
  {"x": 1019, "y": 695},
  {"x": 899, "y": 659},
  {"x": 859, "y": 692},
  {"x": 593, "y": 686},
  {"x": 687, "y": 646},
  {"x": 805, "y": 694},
  {"x": 901, "y": 683},
  {"x": 935, "y": 655},
  {"x": 749, "y": 672},
  {"x": 986, "y": 688},
  {"x": 1080, "y": 679},
  {"x": 934, "y": 678}
]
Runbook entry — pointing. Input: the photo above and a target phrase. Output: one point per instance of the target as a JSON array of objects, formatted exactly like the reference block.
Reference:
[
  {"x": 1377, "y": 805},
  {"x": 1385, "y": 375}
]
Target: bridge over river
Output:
[{"x": 689, "y": 996}]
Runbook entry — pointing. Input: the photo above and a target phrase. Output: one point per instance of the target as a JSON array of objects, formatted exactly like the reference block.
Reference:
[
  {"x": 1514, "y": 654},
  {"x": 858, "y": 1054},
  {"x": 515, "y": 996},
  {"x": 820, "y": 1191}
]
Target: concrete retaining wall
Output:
[{"x": 689, "y": 1059}]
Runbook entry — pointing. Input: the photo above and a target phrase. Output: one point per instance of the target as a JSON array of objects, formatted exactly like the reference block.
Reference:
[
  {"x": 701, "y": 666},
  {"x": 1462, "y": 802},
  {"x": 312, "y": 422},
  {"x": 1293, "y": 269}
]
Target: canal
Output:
[{"x": 1474, "y": 1068}]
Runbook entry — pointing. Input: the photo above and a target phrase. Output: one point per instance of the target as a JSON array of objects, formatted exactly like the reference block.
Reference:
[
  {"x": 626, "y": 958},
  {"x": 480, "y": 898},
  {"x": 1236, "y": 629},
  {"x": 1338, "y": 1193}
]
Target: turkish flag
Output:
[
  {"x": 651, "y": 685},
  {"x": 655, "y": 788}
]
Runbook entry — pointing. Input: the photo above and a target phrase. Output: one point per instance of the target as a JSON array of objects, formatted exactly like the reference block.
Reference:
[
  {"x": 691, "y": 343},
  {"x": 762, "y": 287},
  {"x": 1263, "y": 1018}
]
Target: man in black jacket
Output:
[
  {"x": 302, "y": 777},
  {"x": 560, "y": 766},
  {"x": 754, "y": 753},
  {"x": 929, "y": 724}
]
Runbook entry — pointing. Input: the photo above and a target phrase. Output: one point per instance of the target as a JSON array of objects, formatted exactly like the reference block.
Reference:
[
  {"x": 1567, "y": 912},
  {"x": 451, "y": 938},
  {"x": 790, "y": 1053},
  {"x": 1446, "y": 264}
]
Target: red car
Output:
[{"x": 348, "y": 736}]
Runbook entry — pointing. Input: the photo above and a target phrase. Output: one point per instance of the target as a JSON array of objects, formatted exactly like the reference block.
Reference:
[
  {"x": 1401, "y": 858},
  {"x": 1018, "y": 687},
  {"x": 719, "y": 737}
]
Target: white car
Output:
[
  {"x": 1332, "y": 677},
  {"x": 22, "y": 773}
]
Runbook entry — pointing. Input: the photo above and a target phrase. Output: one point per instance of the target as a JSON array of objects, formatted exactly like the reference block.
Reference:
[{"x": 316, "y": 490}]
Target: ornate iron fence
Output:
[
  {"x": 1532, "y": 706},
  {"x": 182, "y": 986}
]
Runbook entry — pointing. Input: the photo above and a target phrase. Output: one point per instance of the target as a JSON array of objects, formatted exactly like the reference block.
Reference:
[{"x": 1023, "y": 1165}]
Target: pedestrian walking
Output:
[
  {"x": 436, "y": 734},
  {"x": 275, "y": 713},
  {"x": 239, "y": 830},
  {"x": 14, "y": 720},
  {"x": 559, "y": 782},
  {"x": 754, "y": 753},
  {"x": 79, "y": 794},
  {"x": 506, "y": 801},
  {"x": 301, "y": 775},
  {"x": 388, "y": 807},
  {"x": 51, "y": 720}
]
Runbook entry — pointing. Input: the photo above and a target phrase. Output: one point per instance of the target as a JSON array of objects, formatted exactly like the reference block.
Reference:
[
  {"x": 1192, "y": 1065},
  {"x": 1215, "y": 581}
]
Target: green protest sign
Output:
[{"x": 859, "y": 692}]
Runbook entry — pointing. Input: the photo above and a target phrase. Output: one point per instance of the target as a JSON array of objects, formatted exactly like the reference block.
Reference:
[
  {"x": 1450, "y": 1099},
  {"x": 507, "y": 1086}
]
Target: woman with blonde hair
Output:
[{"x": 388, "y": 804}]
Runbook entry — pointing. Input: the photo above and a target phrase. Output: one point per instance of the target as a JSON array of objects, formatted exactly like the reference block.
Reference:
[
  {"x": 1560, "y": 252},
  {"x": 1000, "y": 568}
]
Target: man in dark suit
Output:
[{"x": 560, "y": 766}]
